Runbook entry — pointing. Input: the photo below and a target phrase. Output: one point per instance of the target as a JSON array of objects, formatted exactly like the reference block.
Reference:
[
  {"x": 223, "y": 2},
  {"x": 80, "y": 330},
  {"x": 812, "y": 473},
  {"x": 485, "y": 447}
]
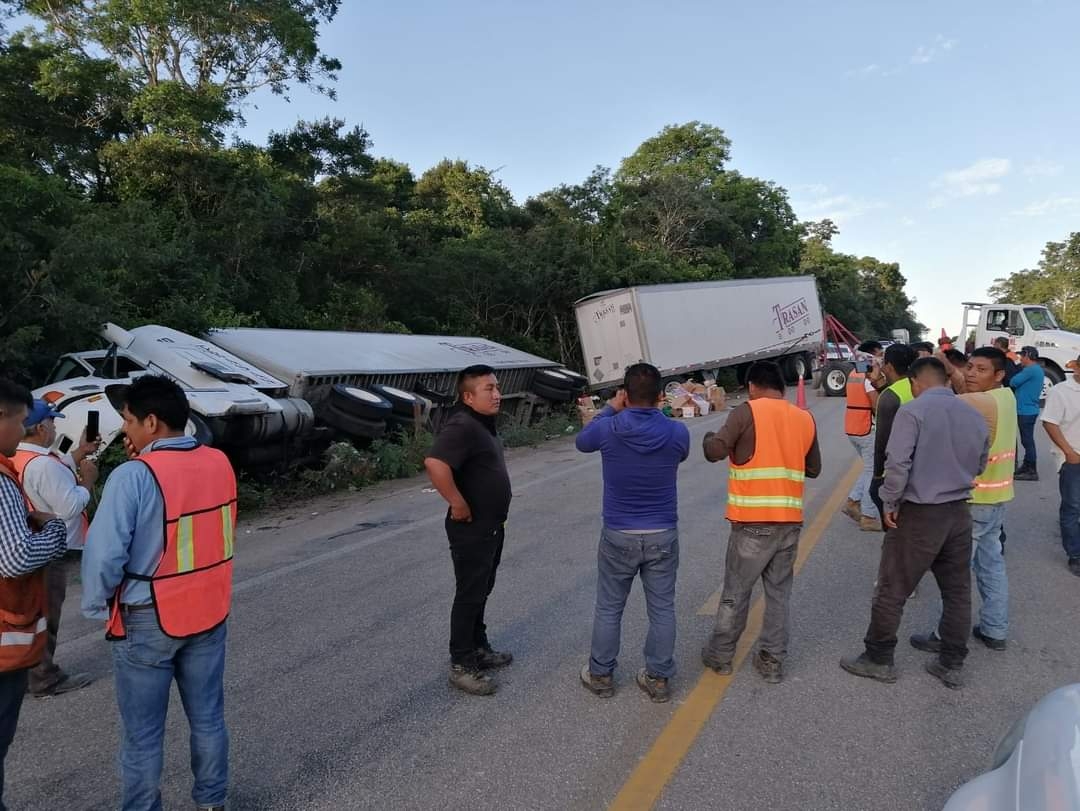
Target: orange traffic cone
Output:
[{"x": 800, "y": 394}]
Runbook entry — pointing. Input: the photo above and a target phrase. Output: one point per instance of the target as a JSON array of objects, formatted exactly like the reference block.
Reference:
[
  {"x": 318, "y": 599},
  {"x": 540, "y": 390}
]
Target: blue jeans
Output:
[
  {"x": 1069, "y": 485},
  {"x": 145, "y": 665},
  {"x": 864, "y": 445},
  {"x": 1026, "y": 424},
  {"x": 620, "y": 558},
  {"x": 989, "y": 565}
]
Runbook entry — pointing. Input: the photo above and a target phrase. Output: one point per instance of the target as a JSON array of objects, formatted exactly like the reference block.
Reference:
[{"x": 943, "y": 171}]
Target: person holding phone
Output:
[
  {"x": 28, "y": 541},
  {"x": 61, "y": 485},
  {"x": 467, "y": 467}
]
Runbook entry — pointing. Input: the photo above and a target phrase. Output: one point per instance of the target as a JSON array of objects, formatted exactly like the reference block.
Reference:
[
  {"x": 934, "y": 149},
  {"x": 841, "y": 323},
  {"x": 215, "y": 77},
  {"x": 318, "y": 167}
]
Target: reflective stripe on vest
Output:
[
  {"x": 858, "y": 413},
  {"x": 192, "y": 584},
  {"x": 995, "y": 484},
  {"x": 23, "y": 457},
  {"x": 902, "y": 389},
  {"x": 769, "y": 488},
  {"x": 22, "y": 607}
]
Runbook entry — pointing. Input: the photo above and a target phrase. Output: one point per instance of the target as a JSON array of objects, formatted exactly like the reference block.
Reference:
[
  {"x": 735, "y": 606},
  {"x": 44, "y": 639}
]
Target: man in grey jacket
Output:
[{"x": 939, "y": 444}]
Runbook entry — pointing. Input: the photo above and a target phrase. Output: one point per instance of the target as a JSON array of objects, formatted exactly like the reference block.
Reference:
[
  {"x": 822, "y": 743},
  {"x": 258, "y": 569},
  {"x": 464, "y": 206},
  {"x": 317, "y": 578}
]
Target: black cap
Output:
[{"x": 1030, "y": 352}]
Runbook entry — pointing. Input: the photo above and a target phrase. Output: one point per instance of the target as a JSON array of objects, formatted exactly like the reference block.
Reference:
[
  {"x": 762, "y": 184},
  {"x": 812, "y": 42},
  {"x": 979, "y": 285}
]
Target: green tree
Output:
[
  {"x": 1055, "y": 282},
  {"x": 195, "y": 61}
]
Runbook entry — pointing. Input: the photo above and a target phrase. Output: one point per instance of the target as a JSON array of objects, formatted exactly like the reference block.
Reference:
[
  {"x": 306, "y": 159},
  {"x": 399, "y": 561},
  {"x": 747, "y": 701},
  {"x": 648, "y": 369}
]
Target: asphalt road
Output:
[{"x": 336, "y": 680}]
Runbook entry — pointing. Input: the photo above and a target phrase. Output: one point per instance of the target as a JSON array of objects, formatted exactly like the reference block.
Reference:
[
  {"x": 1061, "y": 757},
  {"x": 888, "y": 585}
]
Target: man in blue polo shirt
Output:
[{"x": 1027, "y": 384}]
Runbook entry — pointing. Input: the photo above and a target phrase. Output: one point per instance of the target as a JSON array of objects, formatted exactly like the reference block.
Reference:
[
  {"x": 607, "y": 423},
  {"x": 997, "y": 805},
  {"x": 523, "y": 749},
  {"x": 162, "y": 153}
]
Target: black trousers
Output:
[
  {"x": 476, "y": 549},
  {"x": 12, "y": 692},
  {"x": 928, "y": 537}
]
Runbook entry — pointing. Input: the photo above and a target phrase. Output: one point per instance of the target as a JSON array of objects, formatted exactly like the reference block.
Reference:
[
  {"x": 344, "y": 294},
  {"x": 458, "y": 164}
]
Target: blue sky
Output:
[{"x": 943, "y": 135}]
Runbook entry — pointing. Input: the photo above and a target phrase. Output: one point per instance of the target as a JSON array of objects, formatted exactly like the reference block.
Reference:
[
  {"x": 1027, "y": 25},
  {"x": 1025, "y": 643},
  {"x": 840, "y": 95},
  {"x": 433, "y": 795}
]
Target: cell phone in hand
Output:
[{"x": 93, "y": 428}]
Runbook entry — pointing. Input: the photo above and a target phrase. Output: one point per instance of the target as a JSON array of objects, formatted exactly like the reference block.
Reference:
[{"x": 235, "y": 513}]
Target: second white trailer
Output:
[{"x": 683, "y": 328}]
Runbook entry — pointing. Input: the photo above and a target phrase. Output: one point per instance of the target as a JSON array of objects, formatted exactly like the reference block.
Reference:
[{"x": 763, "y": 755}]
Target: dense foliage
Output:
[
  {"x": 1055, "y": 282},
  {"x": 122, "y": 199}
]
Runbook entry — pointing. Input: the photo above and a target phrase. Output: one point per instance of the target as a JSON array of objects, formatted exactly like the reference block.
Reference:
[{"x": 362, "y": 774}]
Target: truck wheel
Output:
[
  {"x": 835, "y": 380},
  {"x": 1051, "y": 377},
  {"x": 556, "y": 395},
  {"x": 551, "y": 379},
  {"x": 794, "y": 368},
  {"x": 352, "y": 426},
  {"x": 359, "y": 402},
  {"x": 580, "y": 381},
  {"x": 198, "y": 428},
  {"x": 401, "y": 401}
]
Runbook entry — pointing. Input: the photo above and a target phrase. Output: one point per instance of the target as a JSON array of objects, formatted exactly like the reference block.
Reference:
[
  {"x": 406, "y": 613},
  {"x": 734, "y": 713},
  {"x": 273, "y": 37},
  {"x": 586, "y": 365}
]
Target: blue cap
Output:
[{"x": 39, "y": 413}]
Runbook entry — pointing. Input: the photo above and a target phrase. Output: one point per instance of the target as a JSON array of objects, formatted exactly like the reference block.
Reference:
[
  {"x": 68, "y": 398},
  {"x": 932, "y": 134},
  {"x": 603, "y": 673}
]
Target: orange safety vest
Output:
[
  {"x": 22, "y": 608},
  {"x": 859, "y": 413},
  {"x": 769, "y": 488},
  {"x": 192, "y": 583},
  {"x": 22, "y": 458}
]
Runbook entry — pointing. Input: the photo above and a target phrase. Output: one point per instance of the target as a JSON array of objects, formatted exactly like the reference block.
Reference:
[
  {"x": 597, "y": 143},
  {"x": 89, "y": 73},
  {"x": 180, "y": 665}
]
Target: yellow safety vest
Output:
[{"x": 995, "y": 485}]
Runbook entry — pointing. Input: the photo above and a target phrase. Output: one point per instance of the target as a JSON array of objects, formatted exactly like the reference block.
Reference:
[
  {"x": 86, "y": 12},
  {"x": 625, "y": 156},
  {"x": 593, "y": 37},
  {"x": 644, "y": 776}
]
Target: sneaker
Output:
[
  {"x": 711, "y": 662},
  {"x": 603, "y": 686},
  {"x": 1074, "y": 566},
  {"x": 66, "y": 684},
  {"x": 1029, "y": 474},
  {"x": 868, "y": 524},
  {"x": 770, "y": 668},
  {"x": 488, "y": 659},
  {"x": 951, "y": 677},
  {"x": 989, "y": 641},
  {"x": 863, "y": 665},
  {"x": 931, "y": 642},
  {"x": 852, "y": 510},
  {"x": 471, "y": 681},
  {"x": 656, "y": 688}
]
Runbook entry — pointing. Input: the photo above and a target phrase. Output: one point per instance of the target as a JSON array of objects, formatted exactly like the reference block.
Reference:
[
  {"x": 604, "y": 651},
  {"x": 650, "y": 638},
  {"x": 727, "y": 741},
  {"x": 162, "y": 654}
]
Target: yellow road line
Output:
[{"x": 642, "y": 789}]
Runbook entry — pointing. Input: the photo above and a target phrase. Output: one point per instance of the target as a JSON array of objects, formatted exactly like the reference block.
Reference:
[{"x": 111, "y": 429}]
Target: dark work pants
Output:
[
  {"x": 475, "y": 549},
  {"x": 1026, "y": 424},
  {"x": 47, "y": 673},
  {"x": 928, "y": 537},
  {"x": 12, "y": 692}
]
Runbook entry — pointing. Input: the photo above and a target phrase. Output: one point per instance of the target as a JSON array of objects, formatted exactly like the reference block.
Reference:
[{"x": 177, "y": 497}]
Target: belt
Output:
[{"x": 142, "y": 607}]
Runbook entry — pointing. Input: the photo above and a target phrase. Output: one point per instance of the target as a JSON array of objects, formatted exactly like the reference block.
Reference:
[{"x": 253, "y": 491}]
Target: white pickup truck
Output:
[
  {"x": 1024, "y": 325},
  {"x": 266, "y": 396}
]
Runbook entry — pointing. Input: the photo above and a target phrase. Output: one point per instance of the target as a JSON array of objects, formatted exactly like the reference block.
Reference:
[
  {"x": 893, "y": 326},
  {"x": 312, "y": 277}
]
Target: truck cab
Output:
[{"x": 1024, "y": 325}]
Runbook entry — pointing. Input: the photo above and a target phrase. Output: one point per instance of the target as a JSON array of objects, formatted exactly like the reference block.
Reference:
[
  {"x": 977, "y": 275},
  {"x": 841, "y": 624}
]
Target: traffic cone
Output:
[{"x": 800, "y": 394}]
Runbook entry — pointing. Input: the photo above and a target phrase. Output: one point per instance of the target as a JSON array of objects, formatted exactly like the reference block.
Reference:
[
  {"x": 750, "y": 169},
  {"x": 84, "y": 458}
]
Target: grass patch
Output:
[{"x": 553, "y": 425}]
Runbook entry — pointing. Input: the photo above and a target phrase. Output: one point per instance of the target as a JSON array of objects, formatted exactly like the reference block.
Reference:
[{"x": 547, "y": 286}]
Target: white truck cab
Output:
[
  {"x": 230, "y": 399},
  {"x": 1024, "y": 325}
]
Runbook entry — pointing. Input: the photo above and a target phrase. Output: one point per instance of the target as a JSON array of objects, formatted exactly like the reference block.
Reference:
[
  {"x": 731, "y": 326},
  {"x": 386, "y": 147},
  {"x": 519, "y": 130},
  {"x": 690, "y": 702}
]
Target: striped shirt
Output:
[{"x": 21, "y": 549}]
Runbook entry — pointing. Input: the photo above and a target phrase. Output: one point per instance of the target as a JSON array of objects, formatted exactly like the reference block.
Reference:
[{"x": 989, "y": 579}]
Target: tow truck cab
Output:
[{"x": 1024, "y": 325}]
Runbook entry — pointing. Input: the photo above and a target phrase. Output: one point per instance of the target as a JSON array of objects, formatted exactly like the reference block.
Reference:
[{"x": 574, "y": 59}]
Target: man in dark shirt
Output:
[{"x": 467, "y": 467}]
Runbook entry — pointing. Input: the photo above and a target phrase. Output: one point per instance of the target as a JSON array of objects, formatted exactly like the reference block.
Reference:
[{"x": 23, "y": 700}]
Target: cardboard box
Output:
[{"x": 717, "y": 398}]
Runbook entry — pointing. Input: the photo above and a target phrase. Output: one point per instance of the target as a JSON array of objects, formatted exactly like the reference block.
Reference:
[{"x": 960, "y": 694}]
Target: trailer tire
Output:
[
  {"x": 834, "y": 379},
  {"x": 198, "y": 428},
  {"x": 553, "y": 379},
  {"x": 359, "y": 402},
  {"x": 580, "y": 381},
  {"x": 401, "y": 401},
  {"x": 352, "y": 426},
  {"x": 795, "y": 368},
  {"x": 556, "y": 395}
]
